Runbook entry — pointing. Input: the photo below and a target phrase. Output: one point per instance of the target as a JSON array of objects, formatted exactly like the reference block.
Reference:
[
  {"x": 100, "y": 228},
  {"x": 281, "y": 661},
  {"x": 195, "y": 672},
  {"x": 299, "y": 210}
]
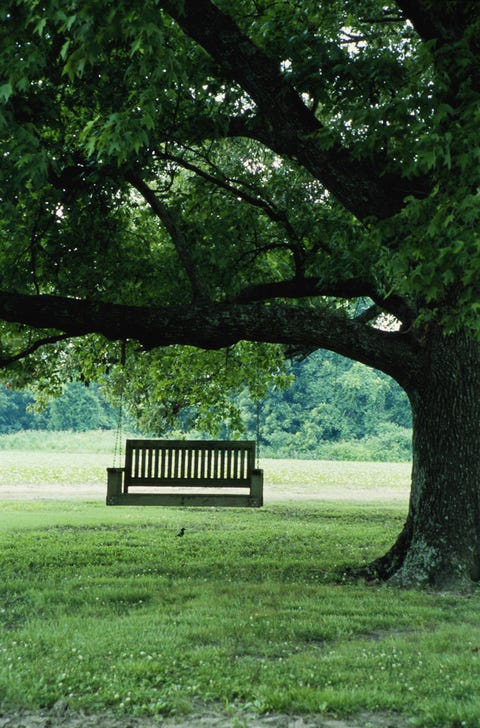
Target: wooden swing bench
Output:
[{"x": 179, "y": 470}]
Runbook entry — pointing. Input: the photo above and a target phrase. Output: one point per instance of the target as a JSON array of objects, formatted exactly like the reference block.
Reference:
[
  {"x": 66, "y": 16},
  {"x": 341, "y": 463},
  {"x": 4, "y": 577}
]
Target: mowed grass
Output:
[{"x": 107, "y": 609}]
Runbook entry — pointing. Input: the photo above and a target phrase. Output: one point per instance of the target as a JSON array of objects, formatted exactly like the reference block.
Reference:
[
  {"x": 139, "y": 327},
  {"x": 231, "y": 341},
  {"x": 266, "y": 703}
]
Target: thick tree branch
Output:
[
  {"x": 216, "y": 326},
  {"x": 448, "y": 23},
  {"x": 303, "y": 288},
  {"x": 444, "y": 22},
  {"x": 289, "y": 126}
]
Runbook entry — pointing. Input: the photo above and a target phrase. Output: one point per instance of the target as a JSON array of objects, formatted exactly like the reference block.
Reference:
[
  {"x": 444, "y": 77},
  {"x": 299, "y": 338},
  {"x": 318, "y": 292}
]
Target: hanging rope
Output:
[
  {"x": 258, "y": 432},
  {"x": 118, "y": 448}
]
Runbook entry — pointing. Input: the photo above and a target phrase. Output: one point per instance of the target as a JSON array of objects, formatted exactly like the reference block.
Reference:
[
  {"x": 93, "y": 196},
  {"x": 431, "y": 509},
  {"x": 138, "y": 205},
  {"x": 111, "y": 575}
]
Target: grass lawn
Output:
[{"x": 107, "y": 609}]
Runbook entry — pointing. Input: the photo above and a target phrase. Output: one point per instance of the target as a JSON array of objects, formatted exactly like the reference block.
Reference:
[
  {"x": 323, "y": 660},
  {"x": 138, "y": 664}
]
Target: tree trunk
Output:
[{"x": 440, "y": 542}]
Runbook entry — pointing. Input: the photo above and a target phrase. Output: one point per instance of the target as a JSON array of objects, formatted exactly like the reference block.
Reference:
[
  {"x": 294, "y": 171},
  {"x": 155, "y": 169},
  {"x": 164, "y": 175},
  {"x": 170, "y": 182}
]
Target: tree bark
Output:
[{"x": 439, "y": 545}]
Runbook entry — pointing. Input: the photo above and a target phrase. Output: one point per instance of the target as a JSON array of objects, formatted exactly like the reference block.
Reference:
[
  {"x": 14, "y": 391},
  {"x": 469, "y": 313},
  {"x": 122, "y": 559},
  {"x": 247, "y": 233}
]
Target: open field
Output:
[
  {"x": 246, "y": 621},
  {"x": 83, "y": 475}
]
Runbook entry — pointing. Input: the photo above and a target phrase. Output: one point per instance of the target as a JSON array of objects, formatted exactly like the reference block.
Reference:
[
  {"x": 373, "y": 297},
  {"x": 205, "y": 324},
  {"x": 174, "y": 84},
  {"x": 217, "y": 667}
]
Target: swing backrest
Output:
[{"x": 188, "y": 462}]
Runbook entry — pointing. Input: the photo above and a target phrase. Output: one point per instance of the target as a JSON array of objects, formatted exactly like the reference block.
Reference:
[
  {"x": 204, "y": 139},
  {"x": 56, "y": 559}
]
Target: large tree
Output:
[{"x": 302, "y": 173}]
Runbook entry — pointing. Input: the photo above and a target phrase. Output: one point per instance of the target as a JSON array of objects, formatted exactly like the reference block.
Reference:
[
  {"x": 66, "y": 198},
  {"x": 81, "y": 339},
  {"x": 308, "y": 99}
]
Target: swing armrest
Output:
[{"x": 114, "y": 482}]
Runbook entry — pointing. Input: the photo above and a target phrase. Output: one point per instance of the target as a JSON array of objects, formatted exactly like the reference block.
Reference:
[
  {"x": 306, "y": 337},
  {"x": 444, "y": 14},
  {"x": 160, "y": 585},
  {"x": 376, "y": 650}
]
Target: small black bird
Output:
[{"x": 181, "y": 532}]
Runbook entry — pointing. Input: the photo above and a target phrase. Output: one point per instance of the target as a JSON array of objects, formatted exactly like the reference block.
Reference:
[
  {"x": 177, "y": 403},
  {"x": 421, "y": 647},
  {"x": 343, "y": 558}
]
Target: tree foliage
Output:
[
  {"x": 207, "y": 154},
  {"x": 334, "y": 409}
]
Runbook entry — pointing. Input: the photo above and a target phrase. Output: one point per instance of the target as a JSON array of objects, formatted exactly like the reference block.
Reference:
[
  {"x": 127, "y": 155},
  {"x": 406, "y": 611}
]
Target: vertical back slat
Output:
[
  {"x": 181, "y": 455},
  {"x": 251, "y": 459},
  {"x": 168, "y": 455},
  {"x": 242, "y": 464},
  {"x": 163, "y": 460}
]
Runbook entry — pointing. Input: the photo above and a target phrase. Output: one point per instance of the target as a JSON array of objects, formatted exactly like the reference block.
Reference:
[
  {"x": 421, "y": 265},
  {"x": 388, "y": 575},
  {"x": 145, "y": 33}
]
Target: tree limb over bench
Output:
[{"x": 186, "y": 466}]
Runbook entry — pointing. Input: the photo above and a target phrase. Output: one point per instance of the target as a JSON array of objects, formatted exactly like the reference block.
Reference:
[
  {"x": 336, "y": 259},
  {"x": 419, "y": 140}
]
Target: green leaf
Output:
[
  {"x": 136, "y": 46},
  {"x": 6, "y": 91},
  {"x": 64, "y": 49},
  {"x": 40, "y": 26}
]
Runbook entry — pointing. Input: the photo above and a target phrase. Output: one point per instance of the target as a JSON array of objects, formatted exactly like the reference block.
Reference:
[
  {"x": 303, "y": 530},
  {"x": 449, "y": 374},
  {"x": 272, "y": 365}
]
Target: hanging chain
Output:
[
  {"x": 258, "y": 432},
  {"x": 118, "y": 448},
  {"x": 257, "y": 407}
]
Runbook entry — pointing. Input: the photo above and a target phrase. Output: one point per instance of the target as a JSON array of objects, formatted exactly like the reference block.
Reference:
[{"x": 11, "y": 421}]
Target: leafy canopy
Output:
[{"x": 194, "y": 154}]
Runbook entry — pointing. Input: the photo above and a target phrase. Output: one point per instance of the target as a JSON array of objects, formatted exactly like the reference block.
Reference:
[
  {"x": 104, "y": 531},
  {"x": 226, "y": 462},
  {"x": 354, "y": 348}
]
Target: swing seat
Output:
[{"x": 186, "y": 473}]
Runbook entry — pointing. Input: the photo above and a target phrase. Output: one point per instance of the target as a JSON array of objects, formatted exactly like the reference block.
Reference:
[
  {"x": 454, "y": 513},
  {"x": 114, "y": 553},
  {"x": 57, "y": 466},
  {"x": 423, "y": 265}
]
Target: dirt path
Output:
[{"x": 60, "y": 717}]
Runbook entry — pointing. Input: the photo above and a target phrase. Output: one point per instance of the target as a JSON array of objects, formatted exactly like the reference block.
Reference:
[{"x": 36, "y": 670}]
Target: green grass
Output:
[
  {"x": 107, "y": 609},
  {"x": 97, "y": 441}
]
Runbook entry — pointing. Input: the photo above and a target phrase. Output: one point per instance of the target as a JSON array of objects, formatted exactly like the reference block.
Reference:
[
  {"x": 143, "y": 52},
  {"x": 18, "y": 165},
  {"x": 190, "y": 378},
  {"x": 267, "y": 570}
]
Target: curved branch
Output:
[
  {"x": 46, "y": 341},
  {"x": 315, "y": 288},
  {"x": 289, "y": 127},
  {"x": 444, "y": 24},
  {"x": 441, "y": 21},
  {"x": 304, "y": 288},
  {"x": 216, "y": 326}
]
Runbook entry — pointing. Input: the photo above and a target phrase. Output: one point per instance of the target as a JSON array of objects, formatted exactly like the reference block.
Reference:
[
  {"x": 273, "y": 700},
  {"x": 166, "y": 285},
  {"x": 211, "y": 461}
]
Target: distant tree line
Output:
[
  {"x": 79, "y": 408},
  {"x": 334, "y": 408}
]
